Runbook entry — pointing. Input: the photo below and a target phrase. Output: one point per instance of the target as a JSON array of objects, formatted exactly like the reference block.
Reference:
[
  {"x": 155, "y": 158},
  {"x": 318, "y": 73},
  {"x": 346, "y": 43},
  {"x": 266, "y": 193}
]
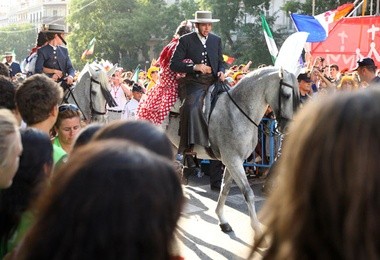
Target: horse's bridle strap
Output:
[{"x": 91, "y": 107}]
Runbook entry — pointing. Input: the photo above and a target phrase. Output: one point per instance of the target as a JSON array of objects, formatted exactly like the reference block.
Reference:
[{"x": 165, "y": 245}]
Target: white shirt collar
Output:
[
  {"x": 54, "y": 47},
  {"x": 202, "y": 38}
]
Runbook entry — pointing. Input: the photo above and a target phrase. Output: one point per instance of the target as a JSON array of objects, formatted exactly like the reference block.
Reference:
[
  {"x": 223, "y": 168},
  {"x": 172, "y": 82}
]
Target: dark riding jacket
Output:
[
  {"x": 190, "y": 47},
  {"x": 57, "y": 58}
]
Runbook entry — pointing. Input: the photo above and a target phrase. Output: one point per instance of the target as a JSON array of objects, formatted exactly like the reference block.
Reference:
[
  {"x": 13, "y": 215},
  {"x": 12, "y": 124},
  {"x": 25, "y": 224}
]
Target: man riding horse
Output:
[{"x": 204, "y": 49}]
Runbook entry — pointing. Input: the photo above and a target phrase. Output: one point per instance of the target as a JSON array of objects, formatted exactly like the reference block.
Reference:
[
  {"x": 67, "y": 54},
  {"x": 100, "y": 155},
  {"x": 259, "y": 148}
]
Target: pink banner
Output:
[{"x": 349, "y": 40}]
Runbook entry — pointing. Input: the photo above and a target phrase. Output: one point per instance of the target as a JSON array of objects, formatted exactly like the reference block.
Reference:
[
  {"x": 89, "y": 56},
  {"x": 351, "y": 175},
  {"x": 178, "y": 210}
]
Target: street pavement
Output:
[{"x": 199, "y": 235}]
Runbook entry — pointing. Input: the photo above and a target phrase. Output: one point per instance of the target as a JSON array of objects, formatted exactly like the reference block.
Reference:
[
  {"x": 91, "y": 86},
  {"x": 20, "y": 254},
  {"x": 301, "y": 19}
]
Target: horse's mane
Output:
[{"x": 255, "y": 75}]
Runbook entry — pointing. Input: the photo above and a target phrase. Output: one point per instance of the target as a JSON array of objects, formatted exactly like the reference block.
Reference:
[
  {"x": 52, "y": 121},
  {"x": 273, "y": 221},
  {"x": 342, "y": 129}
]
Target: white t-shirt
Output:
[
  {"x": 130, "y": 109},
  {"x": 118, "y": 95}
]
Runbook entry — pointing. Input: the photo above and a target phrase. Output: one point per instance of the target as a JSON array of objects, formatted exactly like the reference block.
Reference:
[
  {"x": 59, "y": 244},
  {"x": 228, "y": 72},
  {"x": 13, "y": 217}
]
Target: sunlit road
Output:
[{"x": 199, "y": 233}]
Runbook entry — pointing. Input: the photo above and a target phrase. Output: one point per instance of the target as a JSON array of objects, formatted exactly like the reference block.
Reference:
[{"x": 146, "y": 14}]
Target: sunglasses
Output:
[{"x": 64, "y": 107}]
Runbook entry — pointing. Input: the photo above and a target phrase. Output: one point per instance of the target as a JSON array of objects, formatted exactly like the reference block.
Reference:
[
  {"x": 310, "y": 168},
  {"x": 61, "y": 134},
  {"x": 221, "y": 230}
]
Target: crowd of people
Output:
[{"x": 70, "y": 190}]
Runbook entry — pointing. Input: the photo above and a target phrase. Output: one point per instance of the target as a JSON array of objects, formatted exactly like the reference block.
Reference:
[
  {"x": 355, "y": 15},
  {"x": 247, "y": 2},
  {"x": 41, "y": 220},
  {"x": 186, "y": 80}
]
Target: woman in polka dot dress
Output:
[{"x": 163, "y": 96}]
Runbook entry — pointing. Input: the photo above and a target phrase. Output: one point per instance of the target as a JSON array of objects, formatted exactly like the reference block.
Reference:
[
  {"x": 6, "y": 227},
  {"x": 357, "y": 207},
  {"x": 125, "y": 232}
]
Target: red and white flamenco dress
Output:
[{"x": 162, "y": 97}]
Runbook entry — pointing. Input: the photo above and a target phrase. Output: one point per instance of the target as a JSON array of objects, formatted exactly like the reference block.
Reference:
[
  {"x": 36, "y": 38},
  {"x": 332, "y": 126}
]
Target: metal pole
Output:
[
  {"x": 377, "y": 7},
  {"x": 313, "y": 8}
]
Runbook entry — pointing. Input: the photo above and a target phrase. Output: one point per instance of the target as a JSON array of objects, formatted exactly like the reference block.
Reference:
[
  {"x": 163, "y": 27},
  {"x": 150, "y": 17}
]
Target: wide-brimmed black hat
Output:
[
  {"x": 54, "y": 28},
  {"x": 366, "y": 62}
]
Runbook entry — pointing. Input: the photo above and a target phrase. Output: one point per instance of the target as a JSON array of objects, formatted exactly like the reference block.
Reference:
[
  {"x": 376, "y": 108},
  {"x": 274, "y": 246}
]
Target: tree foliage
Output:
[
  {"x": 130, "y": 31},
  {"x": 18, "y": 38},
  {"x": 127, "y": 31}
]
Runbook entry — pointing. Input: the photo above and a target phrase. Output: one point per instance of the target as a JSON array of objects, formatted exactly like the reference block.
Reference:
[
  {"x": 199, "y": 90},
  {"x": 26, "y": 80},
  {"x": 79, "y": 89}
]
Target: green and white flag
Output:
[
  {"x": 135, "y": 76},
  {"x": 269, "y": 39}
]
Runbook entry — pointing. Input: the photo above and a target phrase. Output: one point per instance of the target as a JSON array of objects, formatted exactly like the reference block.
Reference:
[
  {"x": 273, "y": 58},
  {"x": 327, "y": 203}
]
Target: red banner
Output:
[{"x": 350, "y": 39}]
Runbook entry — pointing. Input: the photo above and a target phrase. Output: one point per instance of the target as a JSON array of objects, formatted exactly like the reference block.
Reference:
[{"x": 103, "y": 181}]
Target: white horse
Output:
[
  {"x": 233, "y": 131},
  {"x": 91, "y": 92}
]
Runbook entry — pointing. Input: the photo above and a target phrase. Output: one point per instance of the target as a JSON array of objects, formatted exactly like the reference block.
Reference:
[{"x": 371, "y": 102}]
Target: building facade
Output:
[{"x": 36, "y": 12}]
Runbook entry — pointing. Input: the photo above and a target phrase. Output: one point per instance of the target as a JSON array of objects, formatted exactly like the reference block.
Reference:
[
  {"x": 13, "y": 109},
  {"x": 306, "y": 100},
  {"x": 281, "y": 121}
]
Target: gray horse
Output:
[
  {"x": 92, "y": 92},
  {"x": 233, "y": 131}
]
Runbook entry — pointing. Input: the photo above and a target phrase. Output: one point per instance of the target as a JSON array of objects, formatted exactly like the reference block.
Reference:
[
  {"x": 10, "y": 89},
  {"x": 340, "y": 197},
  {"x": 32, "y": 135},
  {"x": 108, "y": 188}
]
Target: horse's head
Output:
[
  {"x": 100, "y": 91},
  {"x": 288, "y": 98},
  {"x": 100, "y": 77}
]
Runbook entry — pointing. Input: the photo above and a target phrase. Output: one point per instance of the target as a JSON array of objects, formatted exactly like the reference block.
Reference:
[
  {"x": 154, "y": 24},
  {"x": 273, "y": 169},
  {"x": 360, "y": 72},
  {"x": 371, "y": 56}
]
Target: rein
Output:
[
  {"x": 282, "y": 83},
  {"x": 66, "y": 98},
  {"x": 242, "y": 111}
]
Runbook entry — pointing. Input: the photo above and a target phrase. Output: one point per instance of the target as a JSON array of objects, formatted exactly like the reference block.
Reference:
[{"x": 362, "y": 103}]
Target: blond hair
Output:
[{"x": 348, "y": 80}]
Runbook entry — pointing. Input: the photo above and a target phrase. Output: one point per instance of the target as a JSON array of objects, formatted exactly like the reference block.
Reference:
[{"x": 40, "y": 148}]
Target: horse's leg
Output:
[
  {"x": 225, "y": 189},
  {"x": 237, "y": 173}
]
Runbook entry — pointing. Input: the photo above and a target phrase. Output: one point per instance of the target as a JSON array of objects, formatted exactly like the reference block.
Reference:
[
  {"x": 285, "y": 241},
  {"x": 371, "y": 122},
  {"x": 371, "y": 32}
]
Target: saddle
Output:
[{"x": 209, "y": 103}]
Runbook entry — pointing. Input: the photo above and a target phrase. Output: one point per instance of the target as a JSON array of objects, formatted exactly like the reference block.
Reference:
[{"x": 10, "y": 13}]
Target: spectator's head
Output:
[
  {"x": 10, "y": 147},
  {"x": 152, "y": 73},
  {"x": 34, "y": 169},
  {"x": 140, "y": 132},
  {"x": 108, "y": 191},
  {"x": 348, "y": 83},
  {"x": 334, "y": 71},
  {"x": 85, "y": 135},
  {"x": 35, "y": 166},
  {"x": 4, "y": 70},
  {"x": 304, "y": 81},
  {"x": 68, "y": 125},
  {"x": 36, "y": 160},
  {"x": 7, "y": 96},
  {"x": 238, "y": 76},
  {"x": 137, "y": 91},
  {"x": 366, "y": 69},
  {"x": 330, "y": 194},
  {"x": 37, "y": 99},
  {"x": 9, "y": 56},
  {"x": 7, "y": 93}
]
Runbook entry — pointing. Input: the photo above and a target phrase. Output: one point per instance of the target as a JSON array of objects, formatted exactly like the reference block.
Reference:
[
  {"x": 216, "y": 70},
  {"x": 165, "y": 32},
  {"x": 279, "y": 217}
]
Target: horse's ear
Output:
[
  {"x": 281, "y": 73},
  {"x": 92, "y": 71},
  {"x": 112, "y": 70}
]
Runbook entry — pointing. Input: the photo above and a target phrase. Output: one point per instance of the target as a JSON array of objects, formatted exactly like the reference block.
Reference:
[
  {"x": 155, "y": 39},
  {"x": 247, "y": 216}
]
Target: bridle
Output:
[
  {"x": 109, "y": 100},
  {"x": 92, "y": 109},
  {"x": 280, "y": 96},
  {"x": 283, "y": 95}
]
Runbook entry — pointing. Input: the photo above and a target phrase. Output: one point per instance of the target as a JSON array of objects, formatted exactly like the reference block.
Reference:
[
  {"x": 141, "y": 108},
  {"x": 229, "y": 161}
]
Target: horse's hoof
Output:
[{"x": 226, "y": 228}]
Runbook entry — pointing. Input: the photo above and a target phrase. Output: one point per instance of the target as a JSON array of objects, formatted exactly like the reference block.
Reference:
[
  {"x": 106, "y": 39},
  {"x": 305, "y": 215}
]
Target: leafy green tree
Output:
[
  {"x": 18, "y": 38},
  {"x": 241, "y": 30},
  {"x": 129, "y": 32}
]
